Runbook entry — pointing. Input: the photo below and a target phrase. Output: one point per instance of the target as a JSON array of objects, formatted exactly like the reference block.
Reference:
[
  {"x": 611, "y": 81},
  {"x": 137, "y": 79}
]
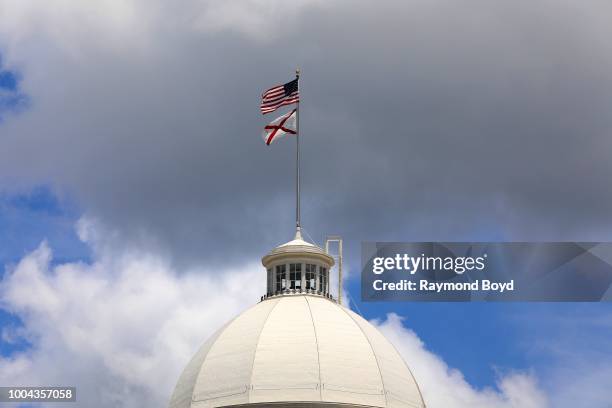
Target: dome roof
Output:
[
  {"x": 297, "y": 246},
  {"x": 297, "y": 349}
]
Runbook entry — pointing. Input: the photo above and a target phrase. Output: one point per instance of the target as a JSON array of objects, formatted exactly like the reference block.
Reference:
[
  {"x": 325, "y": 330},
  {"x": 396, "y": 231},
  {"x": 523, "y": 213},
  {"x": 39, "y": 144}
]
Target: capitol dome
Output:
[{"x": 297, "y": 347}]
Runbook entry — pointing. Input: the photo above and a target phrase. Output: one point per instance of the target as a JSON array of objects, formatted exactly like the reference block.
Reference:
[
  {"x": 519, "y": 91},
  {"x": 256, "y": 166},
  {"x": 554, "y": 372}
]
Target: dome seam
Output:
[
  {"x": 263, "y": 326},
  {"x": 314, "y": 328},
  {"x": 382, "y": 381},
  {"x": 409, "y": 371}
]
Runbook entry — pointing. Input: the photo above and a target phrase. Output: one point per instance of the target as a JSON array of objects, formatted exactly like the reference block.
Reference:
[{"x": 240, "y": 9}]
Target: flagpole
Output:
[{"x": 297, "y": 161}]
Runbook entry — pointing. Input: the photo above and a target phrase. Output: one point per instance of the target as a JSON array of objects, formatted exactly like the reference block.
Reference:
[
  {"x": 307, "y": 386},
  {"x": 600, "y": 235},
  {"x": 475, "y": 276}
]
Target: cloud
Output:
[
  {"x": 443, "y": 386},
  {"x": 431, "y": 120},
  {"x": 120, "y": 328}
]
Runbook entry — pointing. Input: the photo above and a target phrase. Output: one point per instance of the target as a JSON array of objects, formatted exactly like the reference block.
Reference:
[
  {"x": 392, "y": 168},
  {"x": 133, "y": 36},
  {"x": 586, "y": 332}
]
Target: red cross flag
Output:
[{"x": 279, "y": 127}]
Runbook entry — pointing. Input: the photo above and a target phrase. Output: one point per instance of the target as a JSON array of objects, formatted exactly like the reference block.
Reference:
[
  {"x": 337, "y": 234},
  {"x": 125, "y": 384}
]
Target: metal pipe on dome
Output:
[{"x": 338, "y": 239}]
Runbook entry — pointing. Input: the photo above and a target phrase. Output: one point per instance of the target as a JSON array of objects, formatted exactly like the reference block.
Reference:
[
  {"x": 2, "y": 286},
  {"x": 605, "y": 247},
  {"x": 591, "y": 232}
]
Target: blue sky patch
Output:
[
  {"x": 11, "y": 341},
  {"x": 12, "y": 99},
  {"x": 28, "y": 219},
  {"x": 8, "y": 80}
]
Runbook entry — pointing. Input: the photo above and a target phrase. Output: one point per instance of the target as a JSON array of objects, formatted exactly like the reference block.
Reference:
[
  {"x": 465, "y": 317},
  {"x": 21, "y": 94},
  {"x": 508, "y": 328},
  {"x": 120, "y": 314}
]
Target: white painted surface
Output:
[{"x": 298, "y": 348}]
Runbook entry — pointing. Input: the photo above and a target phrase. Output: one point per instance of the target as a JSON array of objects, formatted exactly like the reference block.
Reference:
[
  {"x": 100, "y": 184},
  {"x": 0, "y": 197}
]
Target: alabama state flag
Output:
[{"x": 279, "y": 127}]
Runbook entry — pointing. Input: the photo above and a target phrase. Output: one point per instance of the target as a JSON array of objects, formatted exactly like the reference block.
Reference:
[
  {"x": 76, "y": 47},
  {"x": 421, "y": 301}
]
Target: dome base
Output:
[
  {"x": 301, "y": 404},
  {"x": 298, "y": 292}
]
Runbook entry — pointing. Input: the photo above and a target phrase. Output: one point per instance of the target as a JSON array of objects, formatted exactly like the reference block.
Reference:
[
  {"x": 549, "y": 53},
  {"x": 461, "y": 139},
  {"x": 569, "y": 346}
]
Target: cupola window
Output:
[
  {"x": 295, "y": 276},
  {"x": 281, "y": 282},
  {"x": 311, "y": 282},
  {"x": 323, "y": 280}
]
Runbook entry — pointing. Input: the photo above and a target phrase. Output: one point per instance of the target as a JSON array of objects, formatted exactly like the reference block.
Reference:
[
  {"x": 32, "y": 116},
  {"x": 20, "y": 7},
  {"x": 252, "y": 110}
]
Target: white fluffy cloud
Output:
[
  {"x": 443, "y": 386},
  {"x": 121, "y": 328}
]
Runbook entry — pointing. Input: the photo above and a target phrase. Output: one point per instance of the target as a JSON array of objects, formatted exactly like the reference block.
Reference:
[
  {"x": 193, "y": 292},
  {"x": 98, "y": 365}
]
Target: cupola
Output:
[{"x": 297, "y": 267}]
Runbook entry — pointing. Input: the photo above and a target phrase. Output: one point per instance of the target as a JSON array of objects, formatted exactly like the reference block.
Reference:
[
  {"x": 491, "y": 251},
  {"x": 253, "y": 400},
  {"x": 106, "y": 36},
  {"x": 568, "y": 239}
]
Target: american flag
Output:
[{"x": 280, "y": 95}]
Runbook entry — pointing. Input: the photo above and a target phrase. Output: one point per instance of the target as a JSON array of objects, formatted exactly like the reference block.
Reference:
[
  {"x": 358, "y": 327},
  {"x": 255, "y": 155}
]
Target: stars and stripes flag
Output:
[
  {"x": 279, "y": 127},
  {"x": 280, "y": 95}
]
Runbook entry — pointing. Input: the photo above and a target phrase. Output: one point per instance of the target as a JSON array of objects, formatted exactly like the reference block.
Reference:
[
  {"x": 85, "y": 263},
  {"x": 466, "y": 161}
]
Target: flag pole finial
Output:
[{"x": 297, "y": 72}]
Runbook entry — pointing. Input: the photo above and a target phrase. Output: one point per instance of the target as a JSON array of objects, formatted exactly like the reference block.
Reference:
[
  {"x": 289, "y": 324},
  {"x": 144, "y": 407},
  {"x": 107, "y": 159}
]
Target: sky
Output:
[{"x": 137, "y": 197}]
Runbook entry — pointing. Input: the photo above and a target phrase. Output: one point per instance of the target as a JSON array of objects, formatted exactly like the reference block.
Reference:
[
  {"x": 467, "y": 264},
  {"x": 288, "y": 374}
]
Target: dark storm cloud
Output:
[{"x": 420, "y": 120}]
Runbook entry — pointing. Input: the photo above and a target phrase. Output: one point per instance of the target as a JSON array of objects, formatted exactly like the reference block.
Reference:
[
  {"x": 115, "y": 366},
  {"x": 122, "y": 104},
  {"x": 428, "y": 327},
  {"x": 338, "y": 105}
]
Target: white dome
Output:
[{"x": 297, "y": 349}]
